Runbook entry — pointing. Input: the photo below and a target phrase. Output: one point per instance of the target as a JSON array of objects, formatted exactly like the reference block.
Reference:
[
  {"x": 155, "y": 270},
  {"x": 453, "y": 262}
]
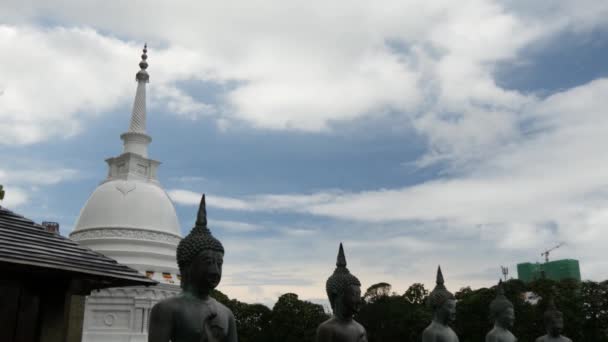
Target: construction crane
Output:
[{"x": 546, "y": 253}]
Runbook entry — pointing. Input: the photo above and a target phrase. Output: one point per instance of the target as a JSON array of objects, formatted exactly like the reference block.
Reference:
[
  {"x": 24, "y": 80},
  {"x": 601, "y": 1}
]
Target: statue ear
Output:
[
  {"x": 185, "y": 276},
  {"x": 333, "y": 299}
]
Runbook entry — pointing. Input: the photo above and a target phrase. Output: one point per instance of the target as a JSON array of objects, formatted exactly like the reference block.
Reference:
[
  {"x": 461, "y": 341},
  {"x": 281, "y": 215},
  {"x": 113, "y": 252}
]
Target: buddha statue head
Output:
[
  {"x": 554, "y": 320},
  {"x": 343, "y": 289},
  {"x": 442, "y": 301},
  {"x": 200, "y": 257},
  {"x": 501, "y": 309}
]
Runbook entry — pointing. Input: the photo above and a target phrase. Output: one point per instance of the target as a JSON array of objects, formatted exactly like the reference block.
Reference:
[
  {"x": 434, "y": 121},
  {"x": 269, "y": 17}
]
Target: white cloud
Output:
[
  {"x": 14, "y": 197},
  {"x": 20, "y": 183},
  {"x": 51, "y": 78},
  {"x": 46, "y": 176},
  {"x": 526, "y": 195},
  {"x": 187, "y": 197},
  {"x": 180, "y": 103},
  {"x": 253, "y": 203},
  {"x": 236, "y": 226},
  {"x": 296, "y": 65}
]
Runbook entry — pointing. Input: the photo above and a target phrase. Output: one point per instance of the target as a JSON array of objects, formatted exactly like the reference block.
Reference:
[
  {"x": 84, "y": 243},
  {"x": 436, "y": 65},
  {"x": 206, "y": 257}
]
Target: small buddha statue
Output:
[
  {"x": 554, "y": 324},
  {"x": 344, "y": 293},
  {"x": 193, "y": 316},
  {"x": 443, "y": 304},
  {"x": 503, "y": 314}
]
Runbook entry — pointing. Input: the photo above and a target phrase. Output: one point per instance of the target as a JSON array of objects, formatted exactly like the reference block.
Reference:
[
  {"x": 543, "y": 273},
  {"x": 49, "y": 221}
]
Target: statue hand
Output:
[{"x": 213, "y": 329}]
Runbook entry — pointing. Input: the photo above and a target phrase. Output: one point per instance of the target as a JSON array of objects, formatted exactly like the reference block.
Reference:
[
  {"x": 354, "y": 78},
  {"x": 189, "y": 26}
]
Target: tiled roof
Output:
[{"x": 24, "y": 242}]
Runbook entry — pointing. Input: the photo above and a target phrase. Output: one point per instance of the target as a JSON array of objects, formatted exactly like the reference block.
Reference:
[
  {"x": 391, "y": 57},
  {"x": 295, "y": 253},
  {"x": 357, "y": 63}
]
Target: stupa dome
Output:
[
  {"x": 129, "y": 204},
  {"x": 134, "y": 222}
]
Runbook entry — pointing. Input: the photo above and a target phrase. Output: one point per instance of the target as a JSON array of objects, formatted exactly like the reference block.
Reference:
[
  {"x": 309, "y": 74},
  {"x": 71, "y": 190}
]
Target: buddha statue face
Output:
[
  {"x": 446, "y": 313},
  {"x": 554, "y": 322},
  {"x": 205, "y": 271},
  {"x": 348, "y": 303},
  {"x": 506, "y": 318}
]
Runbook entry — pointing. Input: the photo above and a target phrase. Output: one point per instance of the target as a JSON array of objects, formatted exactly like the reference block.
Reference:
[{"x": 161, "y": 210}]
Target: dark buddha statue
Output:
[
  {"x": 344, "y": 292},
  {"x": 554, "y": 324},
  {"x": 503, "y": 314},
  {"x": 193, "y": 316},
  {"x": 443, "y": 304}
]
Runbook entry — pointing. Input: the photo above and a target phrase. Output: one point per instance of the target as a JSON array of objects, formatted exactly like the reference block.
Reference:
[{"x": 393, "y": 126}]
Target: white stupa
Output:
[{"x": 130, "y": 218}]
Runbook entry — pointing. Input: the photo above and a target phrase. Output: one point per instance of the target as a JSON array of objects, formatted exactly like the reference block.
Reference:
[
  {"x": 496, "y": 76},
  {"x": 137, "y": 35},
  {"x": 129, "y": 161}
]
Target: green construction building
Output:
[{"x": 554, "y": 270}]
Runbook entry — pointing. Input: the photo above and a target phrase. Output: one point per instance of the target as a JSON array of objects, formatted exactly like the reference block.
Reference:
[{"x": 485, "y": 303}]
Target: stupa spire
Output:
[{"x": 136, "y": 140}]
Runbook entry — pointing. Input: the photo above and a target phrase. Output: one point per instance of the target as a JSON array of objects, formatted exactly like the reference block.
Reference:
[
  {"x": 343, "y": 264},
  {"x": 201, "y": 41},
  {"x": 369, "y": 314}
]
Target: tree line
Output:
[{"x": 394, "y": 317}]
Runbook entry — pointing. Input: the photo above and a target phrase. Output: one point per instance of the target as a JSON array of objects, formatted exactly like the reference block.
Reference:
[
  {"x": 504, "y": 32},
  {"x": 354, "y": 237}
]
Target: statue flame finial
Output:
[
  {"x": 341, "y": 261},
  {"x": 439, "y": 280},
  {"x": 201, "y": 217}
]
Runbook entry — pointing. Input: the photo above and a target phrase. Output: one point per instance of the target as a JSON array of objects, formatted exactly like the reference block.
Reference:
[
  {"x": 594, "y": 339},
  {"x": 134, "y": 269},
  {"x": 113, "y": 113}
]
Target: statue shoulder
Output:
[
  {"x": 359, "y": 326},
  {"x": 222, "y": 308},
  {"x": 326, "y": 325},
  {"x": 491, "y": 336},
  {"x": 160, "y": 327},
  {"x": 167, "y": 306},
  {"x": 429, "y": 334},
  {"x": 325, "y": 331}
]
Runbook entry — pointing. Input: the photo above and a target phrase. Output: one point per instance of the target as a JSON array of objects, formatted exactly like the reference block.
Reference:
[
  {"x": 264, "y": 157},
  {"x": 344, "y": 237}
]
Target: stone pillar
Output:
[
  {"x": 146, "y": 320},
  {"x": 75, "y": 318},
  {"x": 142, "y": 309},
  {"x": 53, "y": 317}
]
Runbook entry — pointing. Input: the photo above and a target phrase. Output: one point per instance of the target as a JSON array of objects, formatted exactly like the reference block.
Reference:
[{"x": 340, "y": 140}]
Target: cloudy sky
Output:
[{"x": 470, "y": 134}]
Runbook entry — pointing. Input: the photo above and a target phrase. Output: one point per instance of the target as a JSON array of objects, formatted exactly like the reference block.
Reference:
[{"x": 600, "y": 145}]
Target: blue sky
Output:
[{"x": 466, "y": 134}]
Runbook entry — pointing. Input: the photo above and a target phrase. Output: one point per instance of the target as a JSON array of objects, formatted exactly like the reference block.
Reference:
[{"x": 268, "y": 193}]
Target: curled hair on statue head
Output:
[
  {"x": 551, "y": 312},
  {"x": 500, "y": 303},
  {"x": 440, "y": 293},
  {"x": 198, "y": 240},
  {"x": 340, "y": 280}
]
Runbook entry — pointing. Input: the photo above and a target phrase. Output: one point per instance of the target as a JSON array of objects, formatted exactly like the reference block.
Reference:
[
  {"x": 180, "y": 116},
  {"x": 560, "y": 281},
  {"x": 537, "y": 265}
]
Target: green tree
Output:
[
  {"x": 594, "y": 298},
  {"x": 416, "y": 294},
  {"x": 294, "y": 320},
  {"x": 473, "y": 313},
  {"x": 252, "y": 321},
  {"x": 394, "y": 318},
  {"x": 377, "y": 291},
  {"x": 388, "y": 317}
]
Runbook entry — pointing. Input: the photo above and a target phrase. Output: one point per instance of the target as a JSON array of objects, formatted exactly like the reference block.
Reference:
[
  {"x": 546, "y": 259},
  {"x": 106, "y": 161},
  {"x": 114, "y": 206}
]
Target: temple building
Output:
[
  {"x": 45, "y": 278},
  {"x": 130, "y": 218}
]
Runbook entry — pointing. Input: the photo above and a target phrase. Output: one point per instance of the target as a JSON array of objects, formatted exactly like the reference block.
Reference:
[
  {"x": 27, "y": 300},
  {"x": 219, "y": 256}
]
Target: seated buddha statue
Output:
[
  {"x": 344, "y": 293},
  {"x": 503, "y": 314},
  {"x": 443, "y": 304},
  {"x": 554, "y": 324},
  {"x": 193, "y": 316}
]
